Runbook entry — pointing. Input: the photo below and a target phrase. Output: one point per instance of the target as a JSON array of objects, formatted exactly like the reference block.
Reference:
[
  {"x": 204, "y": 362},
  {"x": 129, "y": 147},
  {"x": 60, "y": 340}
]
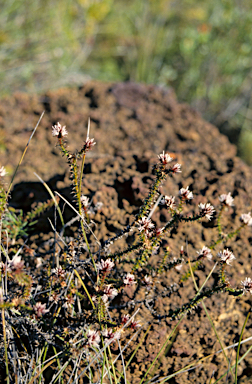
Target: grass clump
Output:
[{"x": 58, "y": 323}]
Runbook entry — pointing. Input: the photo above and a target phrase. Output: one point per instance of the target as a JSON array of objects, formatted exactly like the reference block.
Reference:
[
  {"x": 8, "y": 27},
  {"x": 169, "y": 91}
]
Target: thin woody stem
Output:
[{"x": 82, "y": 168}]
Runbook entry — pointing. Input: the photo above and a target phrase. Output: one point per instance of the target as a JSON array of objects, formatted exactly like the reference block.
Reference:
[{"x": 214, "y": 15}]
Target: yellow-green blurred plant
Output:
[{"x": 41, "y": 41}]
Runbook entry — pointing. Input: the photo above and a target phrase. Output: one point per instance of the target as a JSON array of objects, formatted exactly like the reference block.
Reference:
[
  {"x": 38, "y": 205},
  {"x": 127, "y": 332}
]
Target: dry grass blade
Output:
[
  {"x": 22, "y": 157},
  {"x": 78, "y": 214},
  {"x": 103, "y": 349},
  {"x": 155, "y": 206},
  {"x": 53, "y": 197},
  {"x": 42, "y": 370}
]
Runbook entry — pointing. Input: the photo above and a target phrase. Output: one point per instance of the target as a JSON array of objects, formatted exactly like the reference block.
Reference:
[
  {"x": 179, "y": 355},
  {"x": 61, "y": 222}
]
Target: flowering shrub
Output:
[{"x": 67, "y": 313}]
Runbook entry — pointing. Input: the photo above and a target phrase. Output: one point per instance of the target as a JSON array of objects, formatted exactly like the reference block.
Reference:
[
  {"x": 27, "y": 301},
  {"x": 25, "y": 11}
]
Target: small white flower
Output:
[
  {"x": 84, "y": 201},
  {"x": 135, "y": 324},
  {"x": 176, "y": 168},
  {"x": 105, "y": 265},
  {"x": 110, "y": 335},
  {"x": 186, "y": 194},
  {"x": 39, "y": 261},
  {"x": 98, "y": 205},
  {"x": 54, "y": 298},
  {"x": 247, "y": 285},
  {"x": 105, "y": 300},
  {"x": 2, "y": 172},
  {"x": 110, "y": 291},
  {"x": 59, "y": 272},
  {"x": 227, "y": 199},
  {"x": 89, "y": 143},
  {"x": 125, "y": 319},
  {"x": 69, "y": 301},
  {"x": 58, "y": 130},
  {"x": 226, "y": 256},
  {"x": 16, "y": 264},
  {"x": 147, "y": 281},
  {"x": 246, "y": 219},
  {"x": 206, "y": 210},
  {"x": 94, "y": 299},
  {"x": 178, "y": 267},
  {"x": 93, "y": 338},
  {"x": 145, "y": 224},
  {"x": 169, "y": 201},
  {"x": 129, "y": 279},
  {"x": 205, "y": 253},
  {"x": 165, "y": 158}
]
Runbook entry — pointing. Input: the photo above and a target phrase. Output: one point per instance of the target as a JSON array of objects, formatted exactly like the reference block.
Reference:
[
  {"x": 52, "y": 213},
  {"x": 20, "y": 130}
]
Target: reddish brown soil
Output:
[{"x": 132, "y": 124}]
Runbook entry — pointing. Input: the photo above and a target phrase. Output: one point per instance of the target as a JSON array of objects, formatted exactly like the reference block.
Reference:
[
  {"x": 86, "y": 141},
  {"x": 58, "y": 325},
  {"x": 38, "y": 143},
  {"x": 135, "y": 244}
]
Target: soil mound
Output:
[{"x": 131, "y": 125}]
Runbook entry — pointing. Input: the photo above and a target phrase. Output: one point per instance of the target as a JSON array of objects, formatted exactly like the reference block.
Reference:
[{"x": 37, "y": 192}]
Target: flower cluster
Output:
[
  {"x": 109, "y": 293},
  {"x": 54, "y": 298},
  {"x": 227, "y": 199},
  {"x": 89, "y": 143},
  {"x": 40, "y": 309},
  {"x": 105, "y": 266},
  {"x": 69, "y": 301},
  {"x": 145, "y": 225},
  {"x": 125, "y": 319},
  {"x": 85, "y": 201},
  {"x": 246, "y": 219},
  {"x": 169, "y": 201},
  {"x": 206, "y": 210},
  {"x": 165, "y": 158},
  {"x": 93, "y": 338},
  {"x": 135, "y": 324},
  {"x": 176, "y": 168},
  {"x": 205, "y": 253},
  {"x": 129, "y": 280},
  {"x": 60, "y": 273},
  {"x": 59, "y": 131},
  {"x": 110, "y": 336},
  {"x": 185, "y": 194},
  {"x": 247, "y": 285},
  {"x": 226, "y": 256}
]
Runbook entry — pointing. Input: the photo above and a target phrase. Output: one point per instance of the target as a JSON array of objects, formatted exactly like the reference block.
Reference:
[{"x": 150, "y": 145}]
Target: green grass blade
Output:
[
  {"x": 239, "y": 346},
  {"x": 85, "y": 288},
  {"x": 233, "y": 366},
  {"x": 208, "y": 316},
  {"x": 162, "y": 348}
]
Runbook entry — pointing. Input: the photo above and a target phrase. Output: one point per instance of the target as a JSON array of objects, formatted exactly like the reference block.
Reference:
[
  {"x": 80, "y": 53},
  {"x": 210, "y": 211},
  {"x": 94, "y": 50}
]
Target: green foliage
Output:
[
  {"x": 46, "y": 41},
  {"x": 245, "y": 146},
  {"x": 17, "y": 224},
  {"x": 14, "y": 224}
]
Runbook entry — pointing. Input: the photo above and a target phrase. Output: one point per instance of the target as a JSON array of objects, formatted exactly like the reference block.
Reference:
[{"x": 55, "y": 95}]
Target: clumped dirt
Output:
[{"x": 131, "y": 125}]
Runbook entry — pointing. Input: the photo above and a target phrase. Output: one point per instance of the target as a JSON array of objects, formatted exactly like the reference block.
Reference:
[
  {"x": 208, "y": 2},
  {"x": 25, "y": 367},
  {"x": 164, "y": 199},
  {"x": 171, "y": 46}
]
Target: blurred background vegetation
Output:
[{"x": 203, "y": 49}]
